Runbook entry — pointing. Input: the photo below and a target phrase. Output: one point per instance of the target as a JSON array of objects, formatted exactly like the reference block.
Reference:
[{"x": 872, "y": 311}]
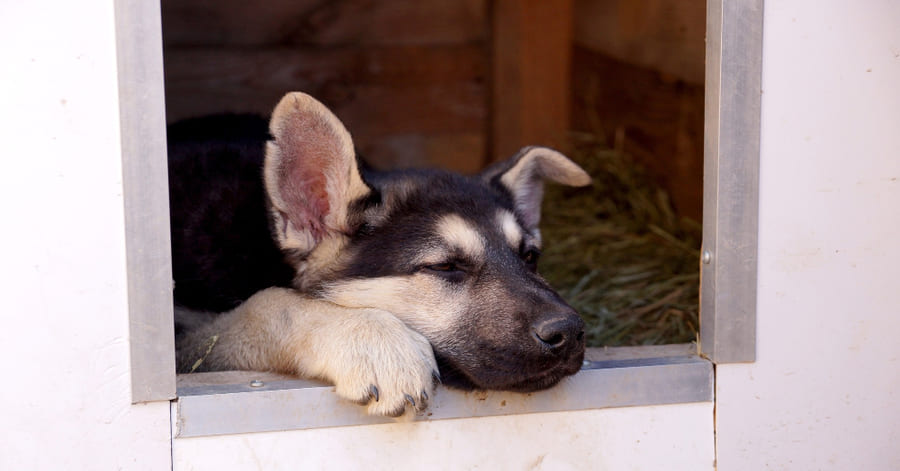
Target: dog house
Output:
[
  {"x": 798, "y": 316},
  {"x": 460, "y": 85}
]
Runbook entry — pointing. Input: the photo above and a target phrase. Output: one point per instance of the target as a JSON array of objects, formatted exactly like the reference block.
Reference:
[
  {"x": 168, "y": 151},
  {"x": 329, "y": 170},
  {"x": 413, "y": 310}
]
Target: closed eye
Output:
[
  {"x": 443, "y": 267},
  {"x": 450, "y": 271}
]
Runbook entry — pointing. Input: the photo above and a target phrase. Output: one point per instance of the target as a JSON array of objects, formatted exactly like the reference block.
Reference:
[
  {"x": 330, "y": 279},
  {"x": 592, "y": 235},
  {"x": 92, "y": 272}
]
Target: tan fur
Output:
[
  {"x": 510, "y": 228},
  {"x": 461, "y": 235},
  {"x": 547, "y": 163},
  {"x": 327, "y": 257},
  {"x": 423, "y": 302},
  {"x": 280, "y": 330},
  {"x": 524, "y": 179}
]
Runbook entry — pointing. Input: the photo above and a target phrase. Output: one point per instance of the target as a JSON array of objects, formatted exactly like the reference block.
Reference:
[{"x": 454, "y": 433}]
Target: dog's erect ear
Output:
[
  {"x": 310, "y": 173},
  {"x": 523, "y": 176}
]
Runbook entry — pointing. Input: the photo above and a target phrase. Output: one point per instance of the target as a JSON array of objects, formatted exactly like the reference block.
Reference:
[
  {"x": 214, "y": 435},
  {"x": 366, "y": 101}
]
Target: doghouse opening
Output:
[{"x": 616, "y": 84}]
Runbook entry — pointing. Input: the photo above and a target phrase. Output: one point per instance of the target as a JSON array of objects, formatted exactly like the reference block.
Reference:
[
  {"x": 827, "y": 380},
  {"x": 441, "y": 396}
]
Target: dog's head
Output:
[{"x": 454, "y": 257}]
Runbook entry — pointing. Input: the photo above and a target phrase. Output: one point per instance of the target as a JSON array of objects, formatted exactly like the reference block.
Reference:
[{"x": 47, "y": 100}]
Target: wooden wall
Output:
[
  {"x": 409, "y": 79},
  {"x": 638, "y": 73},
  {"x": 457, "y": 83}
]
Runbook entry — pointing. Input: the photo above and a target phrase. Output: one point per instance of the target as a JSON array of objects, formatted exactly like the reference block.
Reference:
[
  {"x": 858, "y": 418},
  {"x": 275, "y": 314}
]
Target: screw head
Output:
[
  {"x": 256, "y": 383},
  {"x": 707, "y": 257}
]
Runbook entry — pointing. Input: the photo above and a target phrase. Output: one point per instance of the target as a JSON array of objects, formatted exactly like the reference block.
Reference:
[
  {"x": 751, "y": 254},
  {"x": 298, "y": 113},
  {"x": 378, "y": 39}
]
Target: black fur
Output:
[{"x": 222, "y": 249}]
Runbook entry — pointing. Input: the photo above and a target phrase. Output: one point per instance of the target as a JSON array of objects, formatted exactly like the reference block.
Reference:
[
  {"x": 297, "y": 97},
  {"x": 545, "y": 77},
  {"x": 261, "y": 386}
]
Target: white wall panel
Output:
[
  {"x": 823, "y": 393},
  {"x": 66, "y": 399},
  {"x": 674, "y": 437}
]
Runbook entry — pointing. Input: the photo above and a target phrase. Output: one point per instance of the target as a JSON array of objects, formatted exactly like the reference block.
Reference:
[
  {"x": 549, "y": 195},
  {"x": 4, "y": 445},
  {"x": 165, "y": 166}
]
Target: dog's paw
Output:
[
  {"x": 370, "y": 355},
  {"x": 383, "y": 364}
]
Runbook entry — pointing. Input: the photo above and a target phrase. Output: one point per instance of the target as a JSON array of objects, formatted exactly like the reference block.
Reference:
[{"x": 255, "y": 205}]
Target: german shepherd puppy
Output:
[{"x": 374, "y": 281}]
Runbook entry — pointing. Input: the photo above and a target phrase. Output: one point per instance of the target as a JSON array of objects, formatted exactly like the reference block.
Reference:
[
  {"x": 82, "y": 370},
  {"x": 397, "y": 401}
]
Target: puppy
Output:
[{"x": 379, "y": 282}]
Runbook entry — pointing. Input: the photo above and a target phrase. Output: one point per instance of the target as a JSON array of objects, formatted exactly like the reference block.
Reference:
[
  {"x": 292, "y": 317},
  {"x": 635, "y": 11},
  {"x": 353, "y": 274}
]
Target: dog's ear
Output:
[
  {"x": 311, "y": 175},
  {"x": 523, "y": 176}
]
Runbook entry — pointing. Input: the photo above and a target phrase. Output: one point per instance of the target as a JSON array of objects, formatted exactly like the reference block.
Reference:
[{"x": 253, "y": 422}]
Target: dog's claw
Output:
[
  {"x": 425, "y": 394},
  {"x": 436, "y": 376},
  {"x": 390, "y": 373}
]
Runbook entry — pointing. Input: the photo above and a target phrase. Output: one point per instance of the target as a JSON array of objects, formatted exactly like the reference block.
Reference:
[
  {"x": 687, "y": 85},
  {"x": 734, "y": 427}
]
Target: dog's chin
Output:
[{"x": 498, "y": 379}]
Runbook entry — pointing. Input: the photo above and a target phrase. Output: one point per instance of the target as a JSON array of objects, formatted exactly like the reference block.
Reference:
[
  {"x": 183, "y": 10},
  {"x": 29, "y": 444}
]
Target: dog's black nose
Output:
[{"x": 559, "y": 332}]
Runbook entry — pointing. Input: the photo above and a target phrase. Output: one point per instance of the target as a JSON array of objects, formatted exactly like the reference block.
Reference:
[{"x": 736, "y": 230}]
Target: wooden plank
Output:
[
  {"x": 648, "y": 114},
  {"x": 461, "y": 152},
  {"x": 530, "y": 74},
  {"x": 405, "y": 106},
  {"x": 377, "y": 91},
  {"x": 662, "y": 35},
  {"x": 329, "y": 23}
]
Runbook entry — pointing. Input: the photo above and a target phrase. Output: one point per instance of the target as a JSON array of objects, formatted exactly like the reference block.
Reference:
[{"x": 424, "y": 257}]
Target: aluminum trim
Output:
[
  {"x": 276, "y": 406},
  {"x": 731, "y": 180},
  {"x": 145, "y": 186}
]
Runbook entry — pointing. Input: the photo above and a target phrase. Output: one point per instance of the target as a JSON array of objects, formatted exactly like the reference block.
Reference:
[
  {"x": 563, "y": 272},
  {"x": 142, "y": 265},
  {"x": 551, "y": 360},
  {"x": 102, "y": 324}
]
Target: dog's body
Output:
[{"x": 373, "y": 281}]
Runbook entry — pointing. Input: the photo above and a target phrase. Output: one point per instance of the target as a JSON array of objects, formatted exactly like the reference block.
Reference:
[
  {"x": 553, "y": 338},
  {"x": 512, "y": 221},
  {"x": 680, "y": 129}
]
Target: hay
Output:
[{"x": 618, "y": 253}]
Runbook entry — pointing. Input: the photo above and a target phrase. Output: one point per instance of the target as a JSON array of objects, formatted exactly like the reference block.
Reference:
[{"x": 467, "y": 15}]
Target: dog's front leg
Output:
[{"x": 370, "y": 356}]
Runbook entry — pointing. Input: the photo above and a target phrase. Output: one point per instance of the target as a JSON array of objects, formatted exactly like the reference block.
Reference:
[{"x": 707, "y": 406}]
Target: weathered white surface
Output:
[
  {"x": 66, "y": 401},
  {"x": 825, "y": 391},
  {"x": 675, "y": 437},
  {"x": 822, "y": 395}
]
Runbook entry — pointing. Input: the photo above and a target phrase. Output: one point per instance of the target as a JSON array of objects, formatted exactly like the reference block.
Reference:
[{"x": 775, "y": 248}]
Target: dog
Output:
[{"x": 291, "y": 256}]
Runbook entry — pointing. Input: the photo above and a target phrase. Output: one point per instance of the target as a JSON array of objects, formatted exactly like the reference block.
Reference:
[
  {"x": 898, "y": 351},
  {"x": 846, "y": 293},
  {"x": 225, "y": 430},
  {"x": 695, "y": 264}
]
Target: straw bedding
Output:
[{"x": 618, "y": 253}]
